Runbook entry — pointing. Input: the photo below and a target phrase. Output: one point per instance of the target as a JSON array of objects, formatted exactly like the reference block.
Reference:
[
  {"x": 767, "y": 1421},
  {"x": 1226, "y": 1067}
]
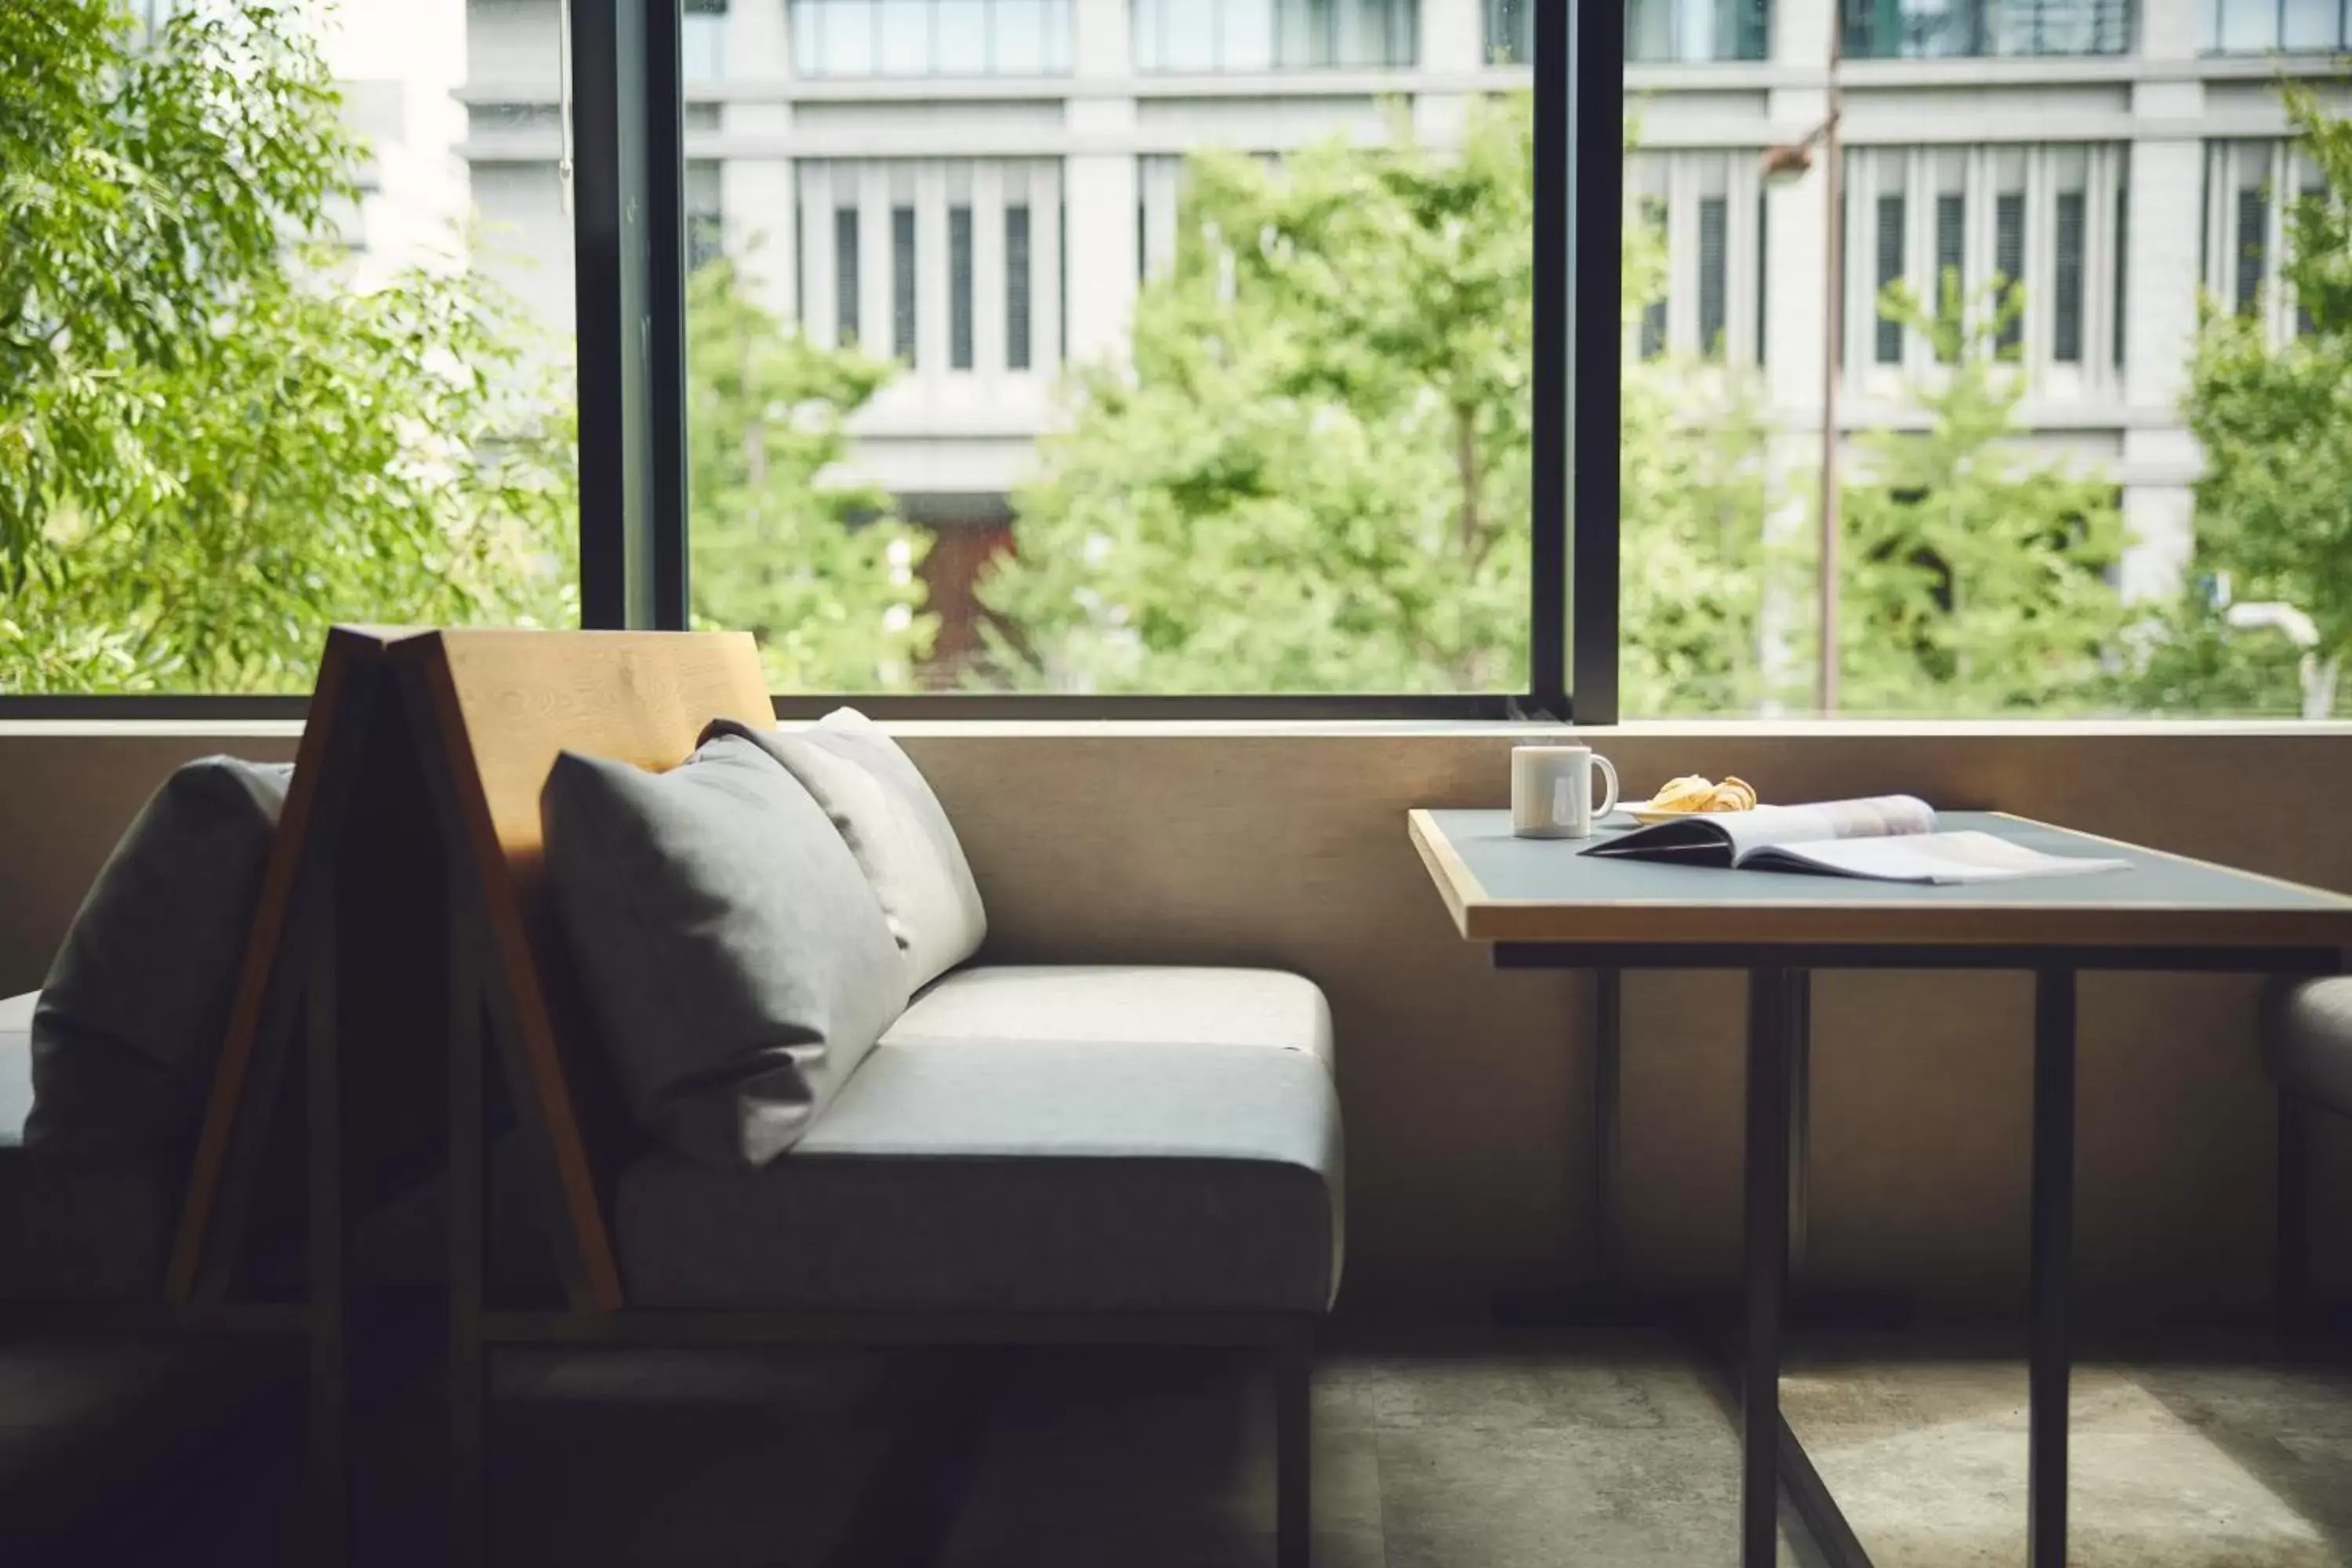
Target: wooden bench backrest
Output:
[{"x": 497, "y": 707}]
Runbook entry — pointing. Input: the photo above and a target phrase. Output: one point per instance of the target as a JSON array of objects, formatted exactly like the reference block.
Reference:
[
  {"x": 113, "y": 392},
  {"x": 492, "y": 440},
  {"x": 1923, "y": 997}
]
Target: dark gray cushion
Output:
[
  {"x": 2307, "y": 1037},
  {"x": 74, "y": 1228},
  {"x": 896, "y": 828},
  {"x": 1018, "y": 1176},
  {"x": 737, "y": 963},
  {"x": 129, "y": 1023}
]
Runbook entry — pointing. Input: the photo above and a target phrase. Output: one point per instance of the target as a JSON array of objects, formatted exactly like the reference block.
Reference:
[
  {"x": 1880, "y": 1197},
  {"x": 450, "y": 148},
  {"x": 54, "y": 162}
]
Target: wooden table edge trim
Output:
[{"x": 1455, "y": 882}]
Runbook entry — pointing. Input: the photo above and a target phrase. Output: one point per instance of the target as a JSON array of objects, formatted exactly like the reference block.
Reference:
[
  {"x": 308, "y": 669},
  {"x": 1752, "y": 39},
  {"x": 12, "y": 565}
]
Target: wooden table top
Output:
[{"x": 1504, "y": 889}]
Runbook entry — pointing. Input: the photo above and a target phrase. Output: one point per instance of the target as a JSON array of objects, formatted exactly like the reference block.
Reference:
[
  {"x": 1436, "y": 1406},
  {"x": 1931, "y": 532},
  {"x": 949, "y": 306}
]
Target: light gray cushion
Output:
[
  {"x": 896, "y": 828},
  {"x": 2307, "y": 1037},
  {"x": 1017, "y": 1176},
  {"x": 735, "y": 959},
  {"x": 129, "y": 1021},
  {"x": 74, "y": 1228},
  {"x": 1121, "y": 1004}
]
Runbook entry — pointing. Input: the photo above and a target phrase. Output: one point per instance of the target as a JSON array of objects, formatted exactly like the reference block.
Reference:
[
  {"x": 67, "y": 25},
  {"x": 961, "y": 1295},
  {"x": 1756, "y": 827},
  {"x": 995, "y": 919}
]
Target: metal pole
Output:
[{"x": 1832, "y": 337}]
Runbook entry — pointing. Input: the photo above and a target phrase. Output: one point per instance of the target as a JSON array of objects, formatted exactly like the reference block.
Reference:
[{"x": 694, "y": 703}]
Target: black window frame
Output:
[{"x": 630, "y": 232}]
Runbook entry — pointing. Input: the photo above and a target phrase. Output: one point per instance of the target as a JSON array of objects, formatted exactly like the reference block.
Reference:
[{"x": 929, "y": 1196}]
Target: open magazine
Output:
[{"x": 1887, "y": 838}]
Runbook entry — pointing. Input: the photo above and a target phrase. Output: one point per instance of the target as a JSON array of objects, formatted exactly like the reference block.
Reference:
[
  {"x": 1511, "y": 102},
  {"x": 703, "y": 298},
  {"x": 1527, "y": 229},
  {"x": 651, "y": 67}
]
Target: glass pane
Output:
[
  {"x": 2312, "y": 25},
  {"x": 1189, "y": 36},
  {"x": 331, "y": 396},
  {"x": 1246, "y": 413},
  {"x": 905, "y": 27},
  {"x": 846, "y": 40},
  {"x": 2000, "y": 551},
  {"x": 1246, "y": 35},
  {"x": 1021, "y": 37},
  {"x": 703, "y": 46},
  {"x": 2249, "y": 26},
  {"x": 963, "y": 37}
]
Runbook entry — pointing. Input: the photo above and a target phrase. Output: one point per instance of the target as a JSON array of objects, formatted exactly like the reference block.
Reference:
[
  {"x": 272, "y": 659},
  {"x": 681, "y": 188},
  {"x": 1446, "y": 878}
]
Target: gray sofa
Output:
[{"x": 1048, "y": 1139}]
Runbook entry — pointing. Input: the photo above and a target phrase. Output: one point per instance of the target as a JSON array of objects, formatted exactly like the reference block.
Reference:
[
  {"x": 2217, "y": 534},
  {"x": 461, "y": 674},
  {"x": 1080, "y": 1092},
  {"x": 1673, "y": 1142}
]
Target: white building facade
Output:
[{"x": 980, "y": 186}]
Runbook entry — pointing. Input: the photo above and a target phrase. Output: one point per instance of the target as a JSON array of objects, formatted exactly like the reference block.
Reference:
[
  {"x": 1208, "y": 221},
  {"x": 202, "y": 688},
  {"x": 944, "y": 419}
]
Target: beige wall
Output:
[{"x": 1465, "y": 1089}]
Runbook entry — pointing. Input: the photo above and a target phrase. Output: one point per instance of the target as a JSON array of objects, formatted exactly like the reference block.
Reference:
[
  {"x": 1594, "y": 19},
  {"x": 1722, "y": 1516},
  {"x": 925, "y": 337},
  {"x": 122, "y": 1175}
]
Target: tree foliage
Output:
[
  {"x": 1975, "y": 580},
  {"x": 1313, "y": 474},
  {"x": 811, "y": 565},
  {"x": 212, "y": 446},
  {"x": 2275, "y": 503}
]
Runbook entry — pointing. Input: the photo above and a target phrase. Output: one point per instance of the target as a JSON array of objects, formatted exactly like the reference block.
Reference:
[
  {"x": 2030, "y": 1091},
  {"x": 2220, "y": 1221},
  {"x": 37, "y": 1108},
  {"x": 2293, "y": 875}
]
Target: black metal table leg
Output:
[
  {"x": 1769, "y": 1002},
  {"x": 2053, "y": 1238}
]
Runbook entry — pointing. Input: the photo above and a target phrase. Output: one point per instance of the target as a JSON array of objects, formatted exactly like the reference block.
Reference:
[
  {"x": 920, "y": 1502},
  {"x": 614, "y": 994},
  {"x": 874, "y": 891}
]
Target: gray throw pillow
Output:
[
  {"x": 735, "y": 963},
  {"x": 127, "y": 1033},
  {"x": 896, "y": 828}
]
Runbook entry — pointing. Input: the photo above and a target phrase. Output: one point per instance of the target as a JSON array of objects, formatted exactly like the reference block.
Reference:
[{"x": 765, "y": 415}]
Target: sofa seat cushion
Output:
[
  {"x": 1121, "y": 1004},
  {"x": 73, "y": 1228},
  {"x": 1017, "y": 1175},
  {"x": 2307, "y": 1037}
]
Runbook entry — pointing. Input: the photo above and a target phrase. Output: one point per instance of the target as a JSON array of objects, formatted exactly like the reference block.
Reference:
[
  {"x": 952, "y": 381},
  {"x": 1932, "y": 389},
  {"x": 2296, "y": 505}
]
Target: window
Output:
[
  {"x": 846, "y": 275},
  {"x": 702, "y": 40},
  {"x": 706, "y": 215},
  {"x": 1208, "y": 36},
  {"x": 1017, "y": 284},
  {"x": 2066, "y": 333},
  {"x": 930, "y": 37},
  {"x": 1694, "y": 31},
  {"x": 1887, "y": 346},
  {"x": 2246, "y": 224},
  {"x": 902, "y": 284},
  {"x": 170, "y": 527},
  {"x": 960, "y": 287},
  {"x": 1703, "y": 212},
  {"x": 1510, "y": 32},
  {"x": 1927, "y": 30},
  {"x": 2261, "y": 26}
]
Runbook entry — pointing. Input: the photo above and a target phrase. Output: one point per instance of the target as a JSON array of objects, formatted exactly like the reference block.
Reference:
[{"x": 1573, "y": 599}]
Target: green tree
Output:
[
  {"x": 1975, "y": 580},
  {"x": 212, "y": 446},
  {"x": 1313, "y": 474},
  {"x": 2275, "y": 503},
  {"x": 814, "y": 566}
]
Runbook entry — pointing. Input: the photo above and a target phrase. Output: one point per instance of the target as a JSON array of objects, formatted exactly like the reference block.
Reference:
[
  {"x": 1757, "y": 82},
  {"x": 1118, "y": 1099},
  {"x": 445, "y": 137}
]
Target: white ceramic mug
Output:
[{"x": 1551, "y": 791}]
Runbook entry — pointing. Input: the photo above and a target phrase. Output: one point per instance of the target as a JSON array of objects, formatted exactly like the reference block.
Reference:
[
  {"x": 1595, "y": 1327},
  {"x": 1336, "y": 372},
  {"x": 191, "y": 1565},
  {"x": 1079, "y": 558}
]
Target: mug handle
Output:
[{"x": 1609, "y": 768}]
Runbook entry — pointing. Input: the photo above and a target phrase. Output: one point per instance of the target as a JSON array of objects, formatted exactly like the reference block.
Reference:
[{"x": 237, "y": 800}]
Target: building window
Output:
[
  {"x": 2250, "y": 188},
  {"x": 2067, "y": 329},
  {"x": 944, "y": 265},
  {"x": 902, "y": 283},
  {"x": 702, "y": 40},
  {"x": 845, "y": 274},
  {"x": 1660, "y": 32},
  {"x": 1887, "y": 346},
  {"x": 1209, "y": 36},
  {"x": 2023, "y": 225},
  {"x": 1933, "y": 29},
  {"x": 930, "y": 37},
  {"x": 1016, "y": 287},
  {"x": 1714, "y": 261},
  {"x": 2261, "y": 26},
  {"x": 705, "y": 218},
  {"x": 959, "y": 288},
  {"x": 1707, "y": 209},
  {"x": 2008, "y": 258},
  {"x": 1510, "y": 32}
]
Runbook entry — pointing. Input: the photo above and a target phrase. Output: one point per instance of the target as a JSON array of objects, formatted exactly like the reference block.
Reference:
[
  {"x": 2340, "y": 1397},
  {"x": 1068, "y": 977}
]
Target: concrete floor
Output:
[{"x": 1433, "y": 1452}]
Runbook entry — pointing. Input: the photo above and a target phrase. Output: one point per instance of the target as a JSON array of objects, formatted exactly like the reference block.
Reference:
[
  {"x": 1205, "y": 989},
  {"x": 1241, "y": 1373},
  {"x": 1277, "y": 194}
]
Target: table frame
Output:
[{"x": 1771, "y": 1454}]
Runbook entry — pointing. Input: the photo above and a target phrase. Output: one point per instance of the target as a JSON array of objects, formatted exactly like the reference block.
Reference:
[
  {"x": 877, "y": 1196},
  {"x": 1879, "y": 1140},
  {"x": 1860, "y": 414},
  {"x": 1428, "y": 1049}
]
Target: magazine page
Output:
[
  {"x": 1727, "y": 838},
  {"x": 1933, "y": 858},
  {"x": 1876, "y": 816}
]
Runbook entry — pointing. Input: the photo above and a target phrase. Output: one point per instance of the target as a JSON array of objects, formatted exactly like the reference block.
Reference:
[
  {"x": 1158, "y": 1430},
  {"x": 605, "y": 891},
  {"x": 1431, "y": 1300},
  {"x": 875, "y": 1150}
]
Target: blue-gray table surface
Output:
[{"x": 1556, "y": 870}]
